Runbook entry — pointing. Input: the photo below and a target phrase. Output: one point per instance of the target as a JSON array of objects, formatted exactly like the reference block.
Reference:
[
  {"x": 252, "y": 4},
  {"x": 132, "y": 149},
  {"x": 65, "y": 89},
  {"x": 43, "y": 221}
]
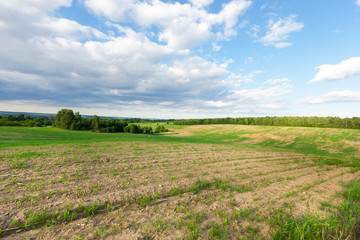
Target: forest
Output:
[{"x": 323, "y": 122}]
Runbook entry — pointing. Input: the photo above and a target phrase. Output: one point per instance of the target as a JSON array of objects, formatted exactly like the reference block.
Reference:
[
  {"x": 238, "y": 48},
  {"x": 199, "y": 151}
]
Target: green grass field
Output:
[
  {"x": 335, "y": 143},
  {"x": 195, "y": 182}
]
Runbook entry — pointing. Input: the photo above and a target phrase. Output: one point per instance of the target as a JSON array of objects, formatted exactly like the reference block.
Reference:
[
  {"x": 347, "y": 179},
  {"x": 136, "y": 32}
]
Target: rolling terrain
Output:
[{"x": 196, "y": 182}]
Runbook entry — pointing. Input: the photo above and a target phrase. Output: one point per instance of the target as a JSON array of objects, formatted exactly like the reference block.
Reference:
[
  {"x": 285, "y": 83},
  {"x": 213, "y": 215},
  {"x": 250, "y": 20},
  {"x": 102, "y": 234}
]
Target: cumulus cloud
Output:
[
  {"x": 344, "y": 69},
  {"x": 34, "y": 6},
  {"x": 335, "y": 97},
  {"x": 357, "y": 2},
  {"x": 126, "y": 66},
  {"x": 51, "y": 62},
  {"x": 255, "y": 100},
  {"x": 278, "y": 31},
  {"x": 201, "y": 3},
  {"x": 181, "y": 25},
  {"x": 114, "y": 10}
]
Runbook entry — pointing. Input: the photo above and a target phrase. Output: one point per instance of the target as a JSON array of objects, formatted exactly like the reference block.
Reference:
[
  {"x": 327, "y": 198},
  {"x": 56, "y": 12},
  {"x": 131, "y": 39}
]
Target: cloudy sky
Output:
[{"x": 181, "y": 59}]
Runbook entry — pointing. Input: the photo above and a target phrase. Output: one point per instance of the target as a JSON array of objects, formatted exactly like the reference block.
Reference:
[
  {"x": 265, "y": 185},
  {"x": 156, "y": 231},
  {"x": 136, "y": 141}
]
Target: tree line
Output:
[
  {"x": 322, "y": 122},
  {"x": 28, "y": 121},
  {"x": 67, "y": 119}
]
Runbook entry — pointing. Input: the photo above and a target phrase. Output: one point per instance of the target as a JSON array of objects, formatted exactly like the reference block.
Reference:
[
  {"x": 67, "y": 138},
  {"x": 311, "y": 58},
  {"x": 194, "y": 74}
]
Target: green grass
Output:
[
  {"x": 309, "y": 144},
  {"x": 344, "y": 223},
  {"x": 22, "y": 136}
]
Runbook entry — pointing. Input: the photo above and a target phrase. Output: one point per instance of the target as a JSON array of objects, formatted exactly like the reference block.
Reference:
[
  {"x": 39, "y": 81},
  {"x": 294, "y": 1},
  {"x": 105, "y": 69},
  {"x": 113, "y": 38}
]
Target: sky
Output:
[{"x": 181, "y": 59}]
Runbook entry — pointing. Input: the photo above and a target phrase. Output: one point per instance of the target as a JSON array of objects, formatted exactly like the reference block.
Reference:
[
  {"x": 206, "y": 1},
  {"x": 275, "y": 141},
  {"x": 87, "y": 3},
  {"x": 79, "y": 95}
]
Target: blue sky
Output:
[{"x": 181, "y": 59}]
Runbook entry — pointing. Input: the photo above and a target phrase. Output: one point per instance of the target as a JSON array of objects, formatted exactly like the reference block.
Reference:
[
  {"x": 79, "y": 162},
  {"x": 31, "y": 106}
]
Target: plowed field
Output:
[{"x": 165, "y": 190}]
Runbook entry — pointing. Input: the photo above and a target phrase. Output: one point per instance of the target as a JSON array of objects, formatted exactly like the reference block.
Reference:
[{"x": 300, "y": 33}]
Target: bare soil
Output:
[{"x": 54, "y": 178}]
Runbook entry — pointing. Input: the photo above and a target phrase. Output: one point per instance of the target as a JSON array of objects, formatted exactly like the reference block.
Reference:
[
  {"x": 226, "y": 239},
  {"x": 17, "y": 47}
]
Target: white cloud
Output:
[
  {"x": 260, "y": 94},
  {"x": 279, "y": 31},
  {"x": 277, "y": 80},
  {"x": 181, "y": 25},
  {"x": 215, "y": 47},
  {"x": 344, "y": 69},
  {"x": 115, "y": 10},
  {"x": 253, "y": 31},
  {"x": 201, "y": 3},
  {"x": 83, "y": 64},
  {"x": 61, "y": 63},
  {"x": 185, "y": 33},
  {"x": 229, "y": 16},
  {"x": 34, "y": 6},
  {"x": 357, "y": 2},
  {"x": 256, "y": 100},
  {"x": 239, "y": 79},
  {"x": 334, "y": 97},
  {"x": 166, "y": 103},
  {"x": 282, "y": 44}
]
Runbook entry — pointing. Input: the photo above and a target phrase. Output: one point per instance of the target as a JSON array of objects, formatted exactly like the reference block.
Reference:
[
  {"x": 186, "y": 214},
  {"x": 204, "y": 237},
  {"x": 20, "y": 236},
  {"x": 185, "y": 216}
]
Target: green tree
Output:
[
  {"x": 96, "y": 121},
  {"x": 64, "y": 118}
]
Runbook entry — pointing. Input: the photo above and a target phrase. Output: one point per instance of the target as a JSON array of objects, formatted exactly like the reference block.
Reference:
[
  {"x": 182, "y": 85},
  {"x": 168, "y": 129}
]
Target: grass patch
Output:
[
  {"x": 18, "y": 164},
  {"x": 342, "y": 224},
  {"x": 92, "y": 209}
]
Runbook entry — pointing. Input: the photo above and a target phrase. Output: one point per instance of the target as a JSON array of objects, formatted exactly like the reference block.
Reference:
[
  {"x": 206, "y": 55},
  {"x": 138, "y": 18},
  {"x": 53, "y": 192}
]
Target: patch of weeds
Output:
[
  {"x": 193, "y": 229},
  {"x": 265, "y": 182},
  {"x": 79, "y": 238},
  {"x": 232, "y": 202},
  {"x": 145, "y": 200},
  {"x": 192, "y": 225},
  {"x": 18, "y": 164},
  {"x": 92, "y": 209},
  {"x": 291, "y": 194},
  {"x": 188, "y": 175},
  {"x": 26, "y": 155},
  {"x": 100, "y": 234},
  {"x": 325, "y": 204},
  {"x": 80, "y": 207},
  {"x": 307, "y": 187},
  {"x": 134, "y": 224},
  {"x": 67, "y": 216},
  {"x": 242, "y": 213},
  {"x": 290, "y": 178},
  {"x": 219, "y": 184},
  {"x": 280, "y": 179},
  {"x": 162, "y": 226},
  {"x": 180, "y": 223},
  {"x": 218, "y": 231},
  {"x": 329, "y": 161},
  {"x": 176, "y": 191},
  {"x": 252, "y": 230},
  {"x": 199, "y": 185},
  {"x": 352, "y": 192},
  {"x": 257, "y": 198},
  {"x": 32, "y": 219},
  {"x": 109, "y": 207},
  {"x": 115, "y": 229},
  {"x": 342, "y": 224}
]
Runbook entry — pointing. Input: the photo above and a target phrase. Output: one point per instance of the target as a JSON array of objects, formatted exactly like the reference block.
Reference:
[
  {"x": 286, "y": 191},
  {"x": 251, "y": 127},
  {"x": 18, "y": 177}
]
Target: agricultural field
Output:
[{"x": 195, "y": 182}]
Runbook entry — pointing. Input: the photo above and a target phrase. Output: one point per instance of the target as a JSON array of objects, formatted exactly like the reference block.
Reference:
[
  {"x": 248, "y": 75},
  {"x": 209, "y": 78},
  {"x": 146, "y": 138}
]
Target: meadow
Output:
[{"x": 195, "y": 182}]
